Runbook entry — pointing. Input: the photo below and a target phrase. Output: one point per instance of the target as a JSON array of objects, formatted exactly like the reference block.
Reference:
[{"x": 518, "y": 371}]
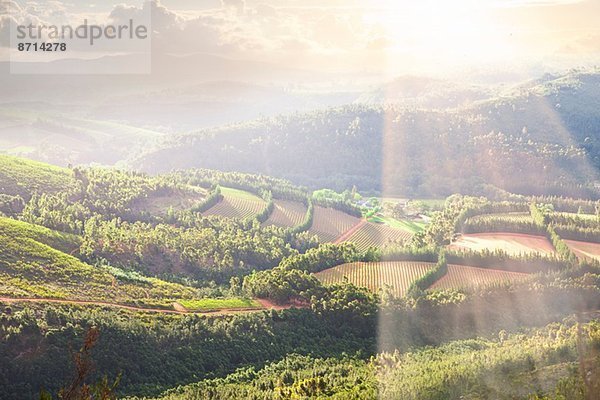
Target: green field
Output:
[
  {"x": 411, "y": 226},
  {"x": 219, "y": 304}
]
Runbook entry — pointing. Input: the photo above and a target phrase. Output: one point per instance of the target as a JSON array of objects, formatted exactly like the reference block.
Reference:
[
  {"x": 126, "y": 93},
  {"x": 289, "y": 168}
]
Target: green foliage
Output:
[
  {"x": 268, "y": 210},
  {"x": 538, "y": 215},
  {"x": 281, "y": 285},
  {"x": 567, "y": 204},
  {"x": 326, "y": 256},
  {"x": 510, "y": 366},
  {"x": 107, "y": 192},
  {"x": 499, "y": 259},
  {"x": 330, "y": 199},
  {"x": 155, "y": 352},
  {"x": 128, "y": 243},
  {"x": 56, "y": 212},
  {"x": 213, "y": 249},
  {"x": 11, "y": 205},
  {"x": 423, "y": 254},
  {"x": 210, "y": 201},
  {"x": 446, "y": 223},
  {"x": 541, "y": 214},
  {"x": 257, "y": 184},
  {"x": 418, "y": 287},
  {"x": 505, "y": 222},
  {"x": 308, "y": 218},
  {"x": 582, "y": 227},
  {"x": 295, "y": 376},
  {"x": 345, "y": 306},
  {"x": 477, "y": 368}
]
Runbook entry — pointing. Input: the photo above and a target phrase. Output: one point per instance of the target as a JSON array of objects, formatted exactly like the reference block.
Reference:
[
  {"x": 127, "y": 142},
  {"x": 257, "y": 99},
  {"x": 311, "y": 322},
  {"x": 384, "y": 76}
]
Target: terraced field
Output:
[
  {"x": 378, "y": 235},
  {"x": 585, "y": 250},
  {"x": 374, "y": 276},
  {"x": 286, "y": 214},
  {"x": 460, "y": 276},
  {"x": 329, "y": 224},
  {"x": 512, "y": 243},
  {"x": 237, "y": 204}
]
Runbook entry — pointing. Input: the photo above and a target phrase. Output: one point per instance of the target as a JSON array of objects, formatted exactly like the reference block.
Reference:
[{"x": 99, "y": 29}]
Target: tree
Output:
[{"x": 78, "y": 389}]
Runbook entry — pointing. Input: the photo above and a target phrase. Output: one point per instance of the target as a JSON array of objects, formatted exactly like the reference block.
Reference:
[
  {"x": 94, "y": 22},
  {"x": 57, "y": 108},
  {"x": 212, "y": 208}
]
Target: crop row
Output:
[
  {"x": 397, "y": 275},
  {"x": 236, "y": 206},
  {"x": 329, "y": 224},
  {"x": 379, "y": 235},
  {"x": 460, "y": 276},
  {"x": 286, "y": 214}
]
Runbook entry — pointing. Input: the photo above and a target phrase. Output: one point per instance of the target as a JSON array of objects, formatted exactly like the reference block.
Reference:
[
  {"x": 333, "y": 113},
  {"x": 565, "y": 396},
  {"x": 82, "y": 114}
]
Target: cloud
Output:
[
  {"x": 237, "y": 5},
  {"x": 532, "y": 3},
  {"x": 582, "y": 45}
]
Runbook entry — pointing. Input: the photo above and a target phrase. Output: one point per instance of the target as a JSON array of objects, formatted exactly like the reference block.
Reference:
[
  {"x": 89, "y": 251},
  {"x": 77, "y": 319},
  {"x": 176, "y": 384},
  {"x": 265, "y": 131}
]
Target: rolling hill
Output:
[
  {"x": 23, "y": 177},
  {"x": 540, "y": 139},
  {"x": 32, "y": 265}
]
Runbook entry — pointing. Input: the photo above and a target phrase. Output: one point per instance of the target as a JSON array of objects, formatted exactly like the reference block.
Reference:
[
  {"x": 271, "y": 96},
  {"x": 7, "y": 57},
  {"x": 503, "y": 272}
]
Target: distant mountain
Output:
[
  {"x": 166, "y": 71},
  {"x": 185, "y": 108},
  {"x": 181, "y": 94},
  {"x": 541, "y": 138},
  {"x": 426, "y": 92}
]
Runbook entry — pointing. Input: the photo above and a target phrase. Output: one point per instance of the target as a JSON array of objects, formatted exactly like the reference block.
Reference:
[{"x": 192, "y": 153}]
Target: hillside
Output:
[
  {"x": 127, "y": 252},
  {"x": 541, "y": 139},
  {"x": 31, "y": 267},
  {"x": 23, "y": 177}
]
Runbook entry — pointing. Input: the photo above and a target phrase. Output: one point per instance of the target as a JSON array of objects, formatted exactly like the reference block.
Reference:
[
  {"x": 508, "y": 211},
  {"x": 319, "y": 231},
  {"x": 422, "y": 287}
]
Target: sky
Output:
[{"x": 395, "y": 36}]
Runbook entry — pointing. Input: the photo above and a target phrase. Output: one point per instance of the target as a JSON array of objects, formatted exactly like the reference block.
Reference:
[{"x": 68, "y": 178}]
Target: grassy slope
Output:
[
  {"x": 64, "y": 242},
  {"x": 30, "y": 267},
  {"x": 23, "y": 177}
]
